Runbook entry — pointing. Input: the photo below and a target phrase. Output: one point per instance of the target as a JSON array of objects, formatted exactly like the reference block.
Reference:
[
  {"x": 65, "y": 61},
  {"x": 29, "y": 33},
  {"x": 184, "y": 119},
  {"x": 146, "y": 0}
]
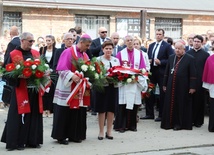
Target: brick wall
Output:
[{"x": 41, "y": 22}]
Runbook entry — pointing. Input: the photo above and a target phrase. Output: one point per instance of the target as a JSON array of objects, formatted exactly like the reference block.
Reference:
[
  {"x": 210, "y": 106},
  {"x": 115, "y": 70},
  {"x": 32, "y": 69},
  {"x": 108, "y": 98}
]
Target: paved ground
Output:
[{"x": 148, "y": 140}]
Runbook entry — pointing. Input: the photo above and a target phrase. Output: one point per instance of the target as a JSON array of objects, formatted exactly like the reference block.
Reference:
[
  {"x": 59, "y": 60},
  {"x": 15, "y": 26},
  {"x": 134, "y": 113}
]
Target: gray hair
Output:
[
  {"x": 66, "y": 35},
  {"x": 24, "y": 35},
  {"x": 128, "y": 36}
]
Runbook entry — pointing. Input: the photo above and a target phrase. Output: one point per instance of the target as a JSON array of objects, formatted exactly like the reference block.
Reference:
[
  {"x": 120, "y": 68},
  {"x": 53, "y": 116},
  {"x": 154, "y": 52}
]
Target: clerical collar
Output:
[
  {"x": 196, "y": 50},
  {"x": 130, "y": 50}
]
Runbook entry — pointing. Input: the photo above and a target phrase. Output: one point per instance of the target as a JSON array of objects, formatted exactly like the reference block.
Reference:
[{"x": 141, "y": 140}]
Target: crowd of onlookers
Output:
[{"x": 176, "y": 69}]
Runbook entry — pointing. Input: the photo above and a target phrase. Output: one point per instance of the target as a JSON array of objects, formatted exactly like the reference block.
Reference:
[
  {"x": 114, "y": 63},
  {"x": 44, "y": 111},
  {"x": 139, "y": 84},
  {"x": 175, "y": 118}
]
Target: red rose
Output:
[
  {"x": 37, "y": 62},
  {"x": 10, "y": 67},
  {"x": 136, "y": 78},
  {"x": 88, "y": 63},
  {"x": 39, "y": 74},
  {"x": 126, "y": 75},
  {"x": 120, "y": 78},
  {"x": 27, "y": 72},
  {"x": 28, "y": 63},
  {"x": 118, "y": 73}
]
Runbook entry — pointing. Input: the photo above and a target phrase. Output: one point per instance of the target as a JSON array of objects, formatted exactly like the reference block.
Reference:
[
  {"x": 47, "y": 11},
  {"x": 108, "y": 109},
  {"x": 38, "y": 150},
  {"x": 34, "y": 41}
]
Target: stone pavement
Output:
[{"x": 148, "y": 140}]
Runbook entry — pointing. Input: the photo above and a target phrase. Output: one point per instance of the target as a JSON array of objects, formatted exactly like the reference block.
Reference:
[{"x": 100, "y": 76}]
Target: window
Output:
[
  {"x": 91, "y": 24},
  {"x": 12, "y": 19},
  {"x": 171, "y": 26},
  {"x": 130, "y": 26}
]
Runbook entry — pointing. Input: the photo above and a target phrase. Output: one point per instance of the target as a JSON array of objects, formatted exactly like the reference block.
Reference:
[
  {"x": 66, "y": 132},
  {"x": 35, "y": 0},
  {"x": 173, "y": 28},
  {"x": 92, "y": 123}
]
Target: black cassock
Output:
[
  {"x": 180, "y": 76},
  {"x": 16, "y": 134},
  {"x": 199, "y": 96}
]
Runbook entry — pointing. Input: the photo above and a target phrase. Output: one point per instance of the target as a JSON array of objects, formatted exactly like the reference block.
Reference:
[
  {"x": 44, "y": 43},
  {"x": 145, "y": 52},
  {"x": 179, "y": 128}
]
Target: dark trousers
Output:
[
  {"x": 155, "y": 78},
  {"x": 211, "y": 116}
]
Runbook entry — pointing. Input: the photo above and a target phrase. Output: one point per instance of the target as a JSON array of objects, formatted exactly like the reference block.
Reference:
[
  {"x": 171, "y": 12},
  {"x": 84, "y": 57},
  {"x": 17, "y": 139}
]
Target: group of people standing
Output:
[{"x": 177, "y": 73}]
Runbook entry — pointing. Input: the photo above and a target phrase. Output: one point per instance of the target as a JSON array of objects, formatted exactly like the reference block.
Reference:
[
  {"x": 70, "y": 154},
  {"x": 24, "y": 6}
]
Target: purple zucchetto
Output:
[{"x": 86, "y": 36}]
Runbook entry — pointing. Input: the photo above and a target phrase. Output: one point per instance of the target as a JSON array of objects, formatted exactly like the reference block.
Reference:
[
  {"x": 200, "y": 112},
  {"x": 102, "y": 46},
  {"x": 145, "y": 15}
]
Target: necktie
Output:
[
  {"x": 115, "y": 51},
  {"x": 110, "y": 64},
  {"x": 153, "y": 54}
]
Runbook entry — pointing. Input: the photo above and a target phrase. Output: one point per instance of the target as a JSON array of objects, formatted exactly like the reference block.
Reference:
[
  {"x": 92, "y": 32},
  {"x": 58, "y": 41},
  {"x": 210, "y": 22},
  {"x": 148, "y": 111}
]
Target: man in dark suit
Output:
[
  {"x": 190, "y": 42},
  {"x": 15, "y": 41},
  {"x": 96, "y": 45},
  {"x": 158, "y": 53},
  {"x": 115, "y": 38}
]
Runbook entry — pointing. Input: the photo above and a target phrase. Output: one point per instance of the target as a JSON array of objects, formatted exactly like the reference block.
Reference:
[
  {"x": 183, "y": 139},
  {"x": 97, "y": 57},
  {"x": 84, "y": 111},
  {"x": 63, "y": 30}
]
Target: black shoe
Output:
[
  {"x": 147, "y": 117},
  {"x": 121, "y": 130},
  {"x": 176, "y": 128},
  {"x": 20, "y": 147},
  {"x": 109, "y": 137},
  {"x": 93, "y": 113},
  {"x": 197, "y": 125},
  {"x": 100, "y": 138},
  {"x": 33, "y": 146},
  {"x": 75, "y": 140},
  {"x": 133, "y": 129},
  {"x": 158, "y": 119},
  {"x": 64, "y": 142},
  {"x": 11, "y": 149}
]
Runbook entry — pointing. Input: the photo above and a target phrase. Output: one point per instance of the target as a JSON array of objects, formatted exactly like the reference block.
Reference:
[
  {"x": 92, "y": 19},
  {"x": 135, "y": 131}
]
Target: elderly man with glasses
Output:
[{"x": 24, "y": 125}]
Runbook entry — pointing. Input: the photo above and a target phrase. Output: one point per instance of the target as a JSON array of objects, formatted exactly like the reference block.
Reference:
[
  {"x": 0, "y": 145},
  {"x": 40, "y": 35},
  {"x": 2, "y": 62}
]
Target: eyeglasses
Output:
[
  {"x": 30, "y": 41},
  {"x": 69, "y": 39},
  {"x": 103, "y": 32}
]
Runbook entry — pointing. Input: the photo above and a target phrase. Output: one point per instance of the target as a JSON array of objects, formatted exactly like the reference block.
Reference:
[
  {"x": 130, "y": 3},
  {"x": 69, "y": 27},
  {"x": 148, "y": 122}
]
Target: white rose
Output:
[
  {"x": 33, "y": 67},
  {"x": 133, "y": 77},
  {"x": 92, "y": 68},
  {"x": 84, "y": 68},
  {"x": 129, "y": 80},
  {"x": 28, "y": 59},
  {"x": 46, "y": 65},
  {"x": 96, "y": 76},
  {"x": 143, "y": 71},
  {"x": 18, "y": 66}
]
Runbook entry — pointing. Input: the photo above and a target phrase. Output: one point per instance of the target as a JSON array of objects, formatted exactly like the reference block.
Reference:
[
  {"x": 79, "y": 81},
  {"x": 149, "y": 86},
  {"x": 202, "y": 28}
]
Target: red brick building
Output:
[{"x": 41, "y": 17}]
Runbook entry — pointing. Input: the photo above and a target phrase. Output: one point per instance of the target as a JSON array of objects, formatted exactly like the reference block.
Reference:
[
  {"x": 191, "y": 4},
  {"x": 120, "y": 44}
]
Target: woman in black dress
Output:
[
  {"x": 105, "y": 102},
  {"x": 48, "y": 53}
]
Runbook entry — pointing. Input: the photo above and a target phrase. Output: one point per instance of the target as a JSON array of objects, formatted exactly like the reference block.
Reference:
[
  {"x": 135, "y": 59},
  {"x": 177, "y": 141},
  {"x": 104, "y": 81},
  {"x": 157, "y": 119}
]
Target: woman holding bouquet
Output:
[
  {"x": 106, "y": 101},
  {"x": 48, "y": 53}
]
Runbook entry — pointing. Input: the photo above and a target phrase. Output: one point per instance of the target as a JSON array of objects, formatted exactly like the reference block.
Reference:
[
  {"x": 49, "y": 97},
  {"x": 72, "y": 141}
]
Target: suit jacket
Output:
[
  {"x": 187, "y": 48},
  {"x": 96, "y": 47},
  {"x": 15, "y": 42},
  {"x": 163, "y": 54}
]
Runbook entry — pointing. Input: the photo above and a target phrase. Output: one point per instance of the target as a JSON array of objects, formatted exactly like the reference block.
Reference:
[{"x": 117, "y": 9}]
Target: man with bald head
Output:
[
  {"x": 15, "y": 42},
  {"x": 179, "y": 85},
  {"x": 115, "y": 39},
  {"x": 96, "y": 45}
]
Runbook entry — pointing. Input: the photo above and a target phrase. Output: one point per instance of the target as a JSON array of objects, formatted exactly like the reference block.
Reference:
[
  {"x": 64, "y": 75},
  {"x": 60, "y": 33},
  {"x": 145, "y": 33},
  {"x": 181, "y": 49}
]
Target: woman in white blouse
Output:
[{"x": 105, "y": 102}]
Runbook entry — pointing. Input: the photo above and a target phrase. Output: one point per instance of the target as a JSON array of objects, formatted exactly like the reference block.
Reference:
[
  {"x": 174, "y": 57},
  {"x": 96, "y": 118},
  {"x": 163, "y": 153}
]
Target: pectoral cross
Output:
[{"x": 172, "y": 70}]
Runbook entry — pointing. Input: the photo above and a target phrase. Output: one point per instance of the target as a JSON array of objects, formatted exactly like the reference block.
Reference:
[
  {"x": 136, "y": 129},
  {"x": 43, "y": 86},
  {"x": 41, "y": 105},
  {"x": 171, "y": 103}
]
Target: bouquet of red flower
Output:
[
  {"x": 36, "y": 72},
  {"x": 146, "y": 94},
  {"x": 120, "y": 74},
  {"x": 94, "y": 70}
]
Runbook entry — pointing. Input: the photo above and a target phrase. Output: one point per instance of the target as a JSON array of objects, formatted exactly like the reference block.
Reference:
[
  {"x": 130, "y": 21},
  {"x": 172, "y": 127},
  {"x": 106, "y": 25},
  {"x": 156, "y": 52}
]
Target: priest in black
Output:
[
  {"x": 179, "y": 85},
  {"x": 199, "y": 97}
]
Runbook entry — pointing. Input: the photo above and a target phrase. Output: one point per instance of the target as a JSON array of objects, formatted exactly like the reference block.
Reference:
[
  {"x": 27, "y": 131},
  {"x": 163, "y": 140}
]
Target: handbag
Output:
[{"x": 6, "y": 94}]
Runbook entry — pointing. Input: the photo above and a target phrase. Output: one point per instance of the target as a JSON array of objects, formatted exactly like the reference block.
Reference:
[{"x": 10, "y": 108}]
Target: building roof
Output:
[{"x": 203, "y": 7}]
